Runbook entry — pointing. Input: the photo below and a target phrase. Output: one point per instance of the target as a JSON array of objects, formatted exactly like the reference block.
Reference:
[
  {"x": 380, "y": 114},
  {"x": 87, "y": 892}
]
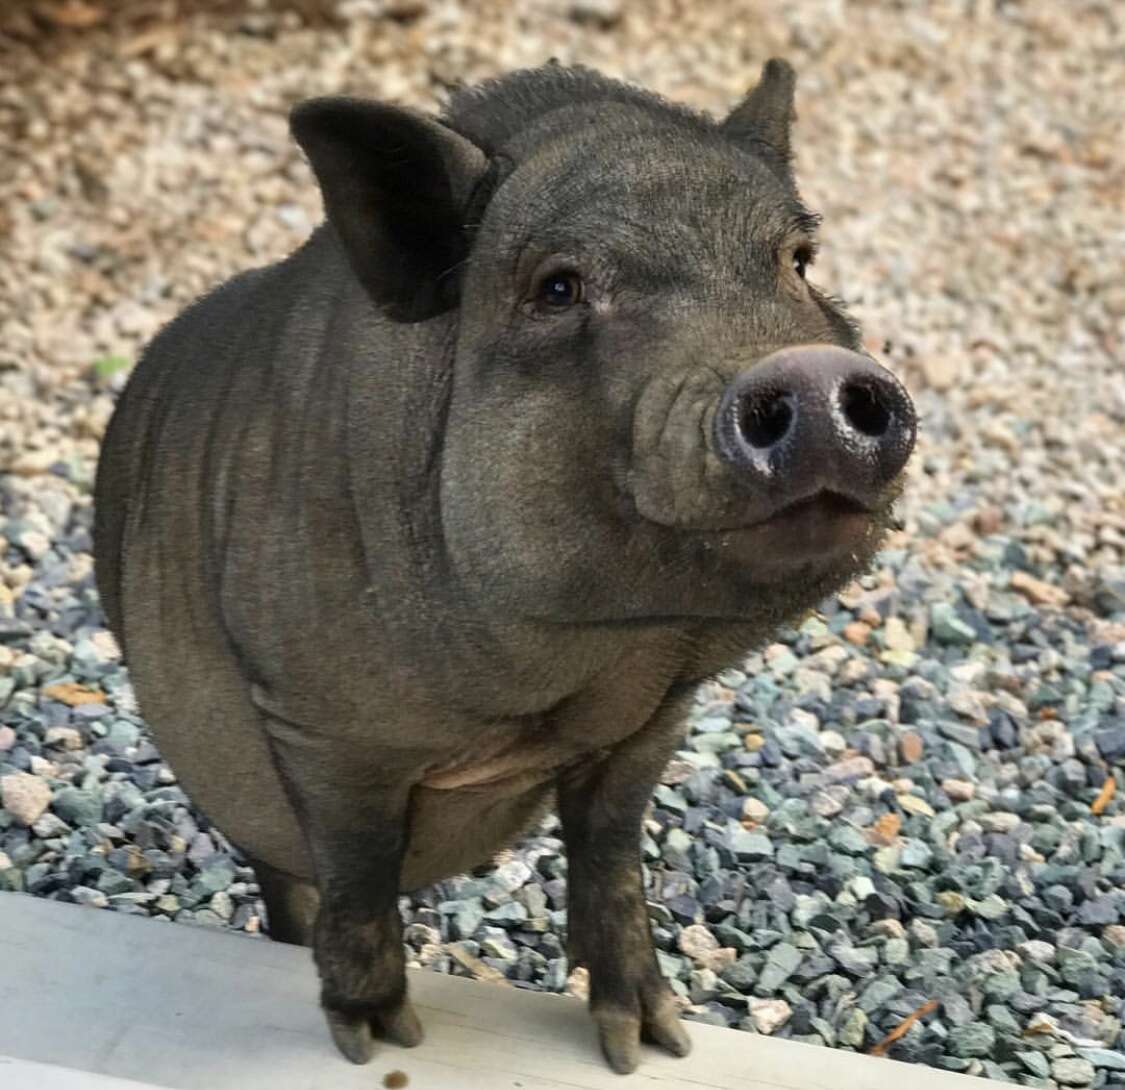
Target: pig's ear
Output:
[
  {"x": 763, "y": 117},
  {"x": 396, "y": 185}
]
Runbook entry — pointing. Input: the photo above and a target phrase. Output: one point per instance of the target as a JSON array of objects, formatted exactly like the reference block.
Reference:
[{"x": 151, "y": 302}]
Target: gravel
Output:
[{"x": 916, "y": 793}]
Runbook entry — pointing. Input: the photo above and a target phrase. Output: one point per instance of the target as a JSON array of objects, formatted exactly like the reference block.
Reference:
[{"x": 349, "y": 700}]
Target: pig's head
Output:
[{"x": 652, "y": 413}]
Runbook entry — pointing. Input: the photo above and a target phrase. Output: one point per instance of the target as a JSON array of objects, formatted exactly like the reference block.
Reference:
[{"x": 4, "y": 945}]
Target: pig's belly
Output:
[
  {"x": 468, "y": 808},
  {"x": 454, "y": 829}
]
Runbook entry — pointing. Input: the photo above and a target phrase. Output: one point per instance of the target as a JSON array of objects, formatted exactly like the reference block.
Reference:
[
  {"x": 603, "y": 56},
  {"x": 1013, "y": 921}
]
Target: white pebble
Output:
[
  {"x": 25, "y": 797},
  {"x": 769, "y": 1015}
]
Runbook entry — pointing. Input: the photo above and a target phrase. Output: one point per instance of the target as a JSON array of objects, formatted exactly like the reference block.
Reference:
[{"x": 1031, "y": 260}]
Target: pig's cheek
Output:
[{"x": 686, "y": 447}]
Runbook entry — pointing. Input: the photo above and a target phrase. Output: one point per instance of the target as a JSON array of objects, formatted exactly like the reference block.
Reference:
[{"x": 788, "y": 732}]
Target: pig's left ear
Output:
[
  {"x": 396, "y": 185},
  {"x": 762, "y": 119}
]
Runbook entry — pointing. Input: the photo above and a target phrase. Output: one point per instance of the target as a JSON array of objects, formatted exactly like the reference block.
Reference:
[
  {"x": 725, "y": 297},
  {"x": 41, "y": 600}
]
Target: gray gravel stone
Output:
[
  {"x": 974, "y": 1039},
  {"x": 495, "y": 943},
  {"x": 947, "y": 627},
  {"x": 78, "y": 807},
  {"x": 751, "y": 847},
  {"x": 896, "y": 952},
  {"x": 878, "y": 992},
  {"x": 957, "y": 1010},
  {"x": 1099, "y": 910},
  {"x": 1108, "y": 1058},
  {"x": 858, "y": 961},
  {"x": 781, "y": 962}
]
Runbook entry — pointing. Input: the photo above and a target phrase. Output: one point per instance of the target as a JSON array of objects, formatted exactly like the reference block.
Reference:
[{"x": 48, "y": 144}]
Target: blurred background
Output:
[
  {"x": 966, "y": 156},
  {"x": 968, "y": 159}
]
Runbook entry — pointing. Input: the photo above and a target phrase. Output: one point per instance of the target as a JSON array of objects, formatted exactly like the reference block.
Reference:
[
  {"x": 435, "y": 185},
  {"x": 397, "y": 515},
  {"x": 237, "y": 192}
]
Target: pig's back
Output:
[
  {"x": 169, "y": 366},
  {"x": 204, "y": 414}
]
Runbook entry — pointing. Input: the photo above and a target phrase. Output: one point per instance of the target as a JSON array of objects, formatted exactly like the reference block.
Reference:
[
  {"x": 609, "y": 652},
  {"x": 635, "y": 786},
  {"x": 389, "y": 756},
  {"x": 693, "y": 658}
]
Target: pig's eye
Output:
[
  {"x": 802, "y": 259},
  {"x": 560, "y": 290}
]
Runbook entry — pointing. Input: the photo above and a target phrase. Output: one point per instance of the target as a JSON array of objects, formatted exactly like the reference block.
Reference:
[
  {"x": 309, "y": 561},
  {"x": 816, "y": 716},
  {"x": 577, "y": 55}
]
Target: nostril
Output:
[
  {"x": 865, "y": 409},
  {"x": 765, "y": 420}
]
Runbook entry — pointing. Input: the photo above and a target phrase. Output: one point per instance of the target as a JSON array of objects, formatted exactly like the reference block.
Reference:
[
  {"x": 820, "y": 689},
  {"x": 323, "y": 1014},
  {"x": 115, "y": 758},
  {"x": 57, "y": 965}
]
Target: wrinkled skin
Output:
[{"x": 399, "y": 552}]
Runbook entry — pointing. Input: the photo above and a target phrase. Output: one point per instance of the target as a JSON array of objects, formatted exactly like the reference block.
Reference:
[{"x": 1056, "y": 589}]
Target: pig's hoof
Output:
[
  {"x": 621, "y": 1032},
  {"x": 355, "y": 1031},
  {"x": 620, "y": 1035},
  {"x": 664, "y": 1028},
  {"x": 352, "y": 1035},
  {"x": 401, "y": 1025}
]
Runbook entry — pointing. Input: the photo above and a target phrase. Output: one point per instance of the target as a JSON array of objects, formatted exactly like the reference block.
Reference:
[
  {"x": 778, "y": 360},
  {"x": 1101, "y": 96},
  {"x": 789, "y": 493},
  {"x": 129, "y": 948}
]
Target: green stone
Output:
[
  {"x": 215, "y": 875},
  {"x": 77, "y": 807},
  {"x": 1002, "y": 985},
  {"x": 878, "y": 992},
  {"x": 848, "y": 839},
  {"x": 916, "y": 854},
  {"x": 975, "y": 1039},
  {"x": 896, "y": 952},
  {"x": 1036, "y": 1063},
  {"x": 851, "y": 1031},
  {"x": 991, "y": 908},
  {"x": 1075, "y": 964},
  {"x": 1104, "y": 1057},
  {"x": 1002, "y": 1019},
  {"x": 112, "y": 882},
  {"x": 947, "y": 627}
]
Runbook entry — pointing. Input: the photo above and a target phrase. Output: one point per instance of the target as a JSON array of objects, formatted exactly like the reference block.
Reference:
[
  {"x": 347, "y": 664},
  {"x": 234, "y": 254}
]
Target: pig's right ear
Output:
[
  {"x": 761, "y": 122},
  {"x": 396, "y": 185}
]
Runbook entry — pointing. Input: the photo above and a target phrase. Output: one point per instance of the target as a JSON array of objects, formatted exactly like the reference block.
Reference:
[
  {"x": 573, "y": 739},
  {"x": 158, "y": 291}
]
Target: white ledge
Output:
[{"x": 99, "y": 997}]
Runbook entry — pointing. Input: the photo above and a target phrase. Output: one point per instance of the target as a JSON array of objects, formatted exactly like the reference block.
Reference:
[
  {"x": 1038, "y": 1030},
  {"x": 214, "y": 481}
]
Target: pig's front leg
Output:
[
  {"x": 355, "y": 821},
  {"x": 602, "y": 805}
]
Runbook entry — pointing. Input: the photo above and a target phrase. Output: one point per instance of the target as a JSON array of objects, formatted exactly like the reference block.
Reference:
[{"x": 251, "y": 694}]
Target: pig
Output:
[{"x": 442, "y": 520}]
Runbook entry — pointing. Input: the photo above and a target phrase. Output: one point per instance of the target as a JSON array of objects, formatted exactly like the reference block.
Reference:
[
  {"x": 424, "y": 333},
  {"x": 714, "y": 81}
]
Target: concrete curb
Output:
[{"x": 96, "y": 994}]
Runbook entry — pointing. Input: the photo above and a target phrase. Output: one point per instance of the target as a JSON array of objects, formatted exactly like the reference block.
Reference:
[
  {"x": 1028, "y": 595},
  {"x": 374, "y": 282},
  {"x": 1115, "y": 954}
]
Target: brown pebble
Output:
[
  {"x": 69, "y": 692},
  {"x": 395, "y": 1080},
  {"x": 941, "y": 370},
  {"x": 911, "y": 746},
  {"x": 885, "y": 829},
  {"x": 1037, "y": 591},
  {"x": 857, "y": 632},
  {"x": 959, "y": 790},
  {"x": 988, "y": 520}
]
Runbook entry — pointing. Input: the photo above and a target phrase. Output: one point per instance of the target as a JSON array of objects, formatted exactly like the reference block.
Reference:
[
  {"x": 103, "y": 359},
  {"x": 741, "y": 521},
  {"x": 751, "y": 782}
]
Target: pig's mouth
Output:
[
  {"x": 814, "y": 531},
  {"x": 825, "y": 506},
  {"x": 820, "y": 527}
]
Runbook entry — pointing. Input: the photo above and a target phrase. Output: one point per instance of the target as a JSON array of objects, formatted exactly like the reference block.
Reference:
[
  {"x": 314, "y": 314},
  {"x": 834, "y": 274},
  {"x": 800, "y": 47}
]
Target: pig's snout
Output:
[{"x": 815, "y": 418}]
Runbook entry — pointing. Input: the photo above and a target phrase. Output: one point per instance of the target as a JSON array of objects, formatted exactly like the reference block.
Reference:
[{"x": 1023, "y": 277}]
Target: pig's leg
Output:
[
  {"x": 291, "y": 904},
  {"x": 602, "y": 805},
  {"x": 355, "y": 821}
]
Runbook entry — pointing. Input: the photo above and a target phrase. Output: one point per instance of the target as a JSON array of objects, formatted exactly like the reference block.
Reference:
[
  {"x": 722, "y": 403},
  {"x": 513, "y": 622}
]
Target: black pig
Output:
[{"x": 444, "y": 517}]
